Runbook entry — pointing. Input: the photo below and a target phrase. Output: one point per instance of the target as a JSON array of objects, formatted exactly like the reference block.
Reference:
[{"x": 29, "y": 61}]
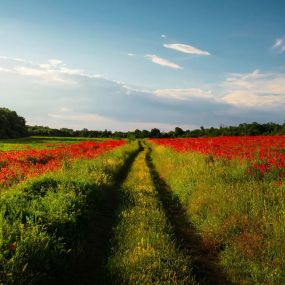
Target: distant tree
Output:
[
  {"x": 131, "y": 136},
  {"x": 178, "y": 132},
  {"x": 66, "y": 132},
  {"x": 145, "y": 133},
  {"x": 11, "y": 125},
  {"x": 282, "y": 130},
  {"x": 155, "y": 133},
  {"x": 138, "y": 134}
]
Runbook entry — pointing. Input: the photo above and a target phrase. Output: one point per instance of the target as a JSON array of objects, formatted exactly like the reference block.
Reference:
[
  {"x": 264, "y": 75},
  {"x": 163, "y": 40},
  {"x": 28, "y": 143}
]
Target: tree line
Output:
[
  {"x": 245, "y": 129},
  {"x": 14, "y": 126}
]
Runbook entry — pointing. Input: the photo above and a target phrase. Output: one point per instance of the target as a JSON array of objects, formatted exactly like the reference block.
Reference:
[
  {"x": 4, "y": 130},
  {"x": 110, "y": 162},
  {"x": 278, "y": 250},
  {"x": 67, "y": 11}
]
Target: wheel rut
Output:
[
  {"x": 204, "y": 262},
  {"x": 89, "y": 265}
]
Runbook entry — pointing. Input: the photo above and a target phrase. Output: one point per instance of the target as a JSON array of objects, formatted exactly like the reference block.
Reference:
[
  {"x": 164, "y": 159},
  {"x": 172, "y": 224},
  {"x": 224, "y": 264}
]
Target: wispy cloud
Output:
[
  {"x": 162, "y": 61},
  {"x": 52, "y": 72},
  {"x": 186, "y": 49},
  {"x": 255, "y": 89},
  {"x": 131, "y": 54},
  {"x": 163, "y": 36},
  {"x": 279, "y": 45},
  {"x": 184, "y": 94}
]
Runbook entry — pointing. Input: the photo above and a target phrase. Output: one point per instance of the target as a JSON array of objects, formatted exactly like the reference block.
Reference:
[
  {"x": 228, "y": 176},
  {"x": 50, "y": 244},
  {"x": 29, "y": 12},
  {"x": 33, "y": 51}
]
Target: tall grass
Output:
[
  {"x": 43, "y": 220},
  {"x": 144, "y": 249},
  {"x": 240, "y": 217}
]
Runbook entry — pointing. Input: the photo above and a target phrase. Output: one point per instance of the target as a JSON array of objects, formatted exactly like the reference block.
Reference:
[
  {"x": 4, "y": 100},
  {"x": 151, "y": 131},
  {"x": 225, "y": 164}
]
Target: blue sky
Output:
[{"x": 127, "y": 64}]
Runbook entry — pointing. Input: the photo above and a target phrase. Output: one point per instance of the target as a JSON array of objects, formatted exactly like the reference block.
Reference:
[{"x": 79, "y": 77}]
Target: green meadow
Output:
[{"x": 141, "y": 214}]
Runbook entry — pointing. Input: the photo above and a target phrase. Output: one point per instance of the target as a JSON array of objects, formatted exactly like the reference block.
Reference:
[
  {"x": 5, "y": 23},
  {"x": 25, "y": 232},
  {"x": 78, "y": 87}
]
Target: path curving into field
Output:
[{"x": 204, "y": 262}]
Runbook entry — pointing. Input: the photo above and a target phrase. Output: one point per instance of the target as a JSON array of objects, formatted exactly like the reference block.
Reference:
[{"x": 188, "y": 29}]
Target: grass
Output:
[
  {"x": 130, "y": 216},
  {"x": 44, "y": 220},
  {"x": 144, "y": 250},
  {"x": 240, "y": 217},
  {"x": 39, "y": 142}
]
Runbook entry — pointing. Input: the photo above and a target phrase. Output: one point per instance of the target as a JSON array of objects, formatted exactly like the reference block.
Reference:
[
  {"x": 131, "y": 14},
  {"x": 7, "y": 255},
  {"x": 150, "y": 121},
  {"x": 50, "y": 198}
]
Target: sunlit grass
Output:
[
  {"x": 42, "y": 220},
  {"x": 144, "y": 250},
  {"x": 239, "y": 216}
]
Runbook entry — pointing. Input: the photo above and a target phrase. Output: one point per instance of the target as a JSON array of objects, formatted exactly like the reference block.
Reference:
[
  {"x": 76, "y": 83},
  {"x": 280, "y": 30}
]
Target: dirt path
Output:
[
  {"x": 204, "y": 263},
  {"x": 90, "y": 267},
  {"x": 144, "y": 251}
]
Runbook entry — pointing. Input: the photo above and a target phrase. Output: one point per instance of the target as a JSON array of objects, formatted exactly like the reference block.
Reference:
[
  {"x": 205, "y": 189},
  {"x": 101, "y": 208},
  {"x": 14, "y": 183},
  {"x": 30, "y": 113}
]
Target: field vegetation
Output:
[
  {"x": 18, "y": 165},
  {"x": 233, "y": 193},
  {"x": 158, "y": 211},
  {"x": 43, "y": 220},
  {"x": 40, "y": 142},
  {"x": 144, "y": 251}
]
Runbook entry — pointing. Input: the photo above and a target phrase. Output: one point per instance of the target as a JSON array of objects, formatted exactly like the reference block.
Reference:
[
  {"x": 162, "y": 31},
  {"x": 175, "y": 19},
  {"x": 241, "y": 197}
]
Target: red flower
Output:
[
  {"x": 265, "y": 153},
  {"x": 22, "y": 164}
]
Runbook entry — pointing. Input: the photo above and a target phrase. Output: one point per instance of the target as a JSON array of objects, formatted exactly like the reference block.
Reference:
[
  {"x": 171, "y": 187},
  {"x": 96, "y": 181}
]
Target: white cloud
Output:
[
  {"x": 124, "y": 106},
  {"x": 96, "y": 102},
  {"x": 162, "y": 61},
  {"x": 131, "y": 54},
  {"x": 254, "y": 100},
  {"x": 278, "y": 42},
  {"x": 52, "y": 72},
  {"x": 279, "y": 45},
  {"x": 163, "y": 36},
  {"x": 255, "y": 89},
  {"x": 64, "y": 109},
  {"x": 186, "y": 49},
  {"x": 6, "y": 70},
  {"x": 55, "y": 62},
  {"x": 184, "y": 94},
  {"x": 14, "y": 59}
]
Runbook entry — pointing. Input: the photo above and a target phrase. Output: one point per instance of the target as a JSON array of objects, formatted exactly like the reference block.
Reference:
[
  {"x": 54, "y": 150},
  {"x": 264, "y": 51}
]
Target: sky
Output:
[{"x": 140, "y": 64}]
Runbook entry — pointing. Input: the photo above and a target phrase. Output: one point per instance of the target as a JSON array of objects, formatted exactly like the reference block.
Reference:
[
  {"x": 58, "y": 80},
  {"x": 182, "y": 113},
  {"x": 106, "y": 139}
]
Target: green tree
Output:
[
  {"x": 11, "y": 125},
  {"x": 178, "y": 132},
  {"x": 155, "y": 133}
]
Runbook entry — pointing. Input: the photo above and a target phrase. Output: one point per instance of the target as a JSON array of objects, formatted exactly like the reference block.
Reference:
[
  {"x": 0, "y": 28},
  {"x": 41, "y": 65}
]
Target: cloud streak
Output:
[
  {"x": 186, "y": 49},
  {"x": 279, "y": 45},
  {"x": 184, "y": 94},
  {"x": 162, "y": 61},
  {"x": 52, "y": 72}
]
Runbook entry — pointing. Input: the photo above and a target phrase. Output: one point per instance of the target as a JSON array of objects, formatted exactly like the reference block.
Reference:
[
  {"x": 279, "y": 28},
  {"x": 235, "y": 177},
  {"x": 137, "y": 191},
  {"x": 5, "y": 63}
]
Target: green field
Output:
[{"x": 141, "y": 214}]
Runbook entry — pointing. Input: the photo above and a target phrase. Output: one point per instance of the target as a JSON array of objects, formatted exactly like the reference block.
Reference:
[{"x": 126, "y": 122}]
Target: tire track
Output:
[
  {"x": 143, "y": 249},
  {"x": 89, "y": 265},
  {"x": 204, "y": 263}
]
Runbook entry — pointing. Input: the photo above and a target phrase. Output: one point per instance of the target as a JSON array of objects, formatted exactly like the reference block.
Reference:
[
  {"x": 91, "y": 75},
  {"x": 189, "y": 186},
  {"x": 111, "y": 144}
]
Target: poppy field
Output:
[
  {"x": 232, "y": 189},
  {"x": 16, "y": 166},
  {"x": 263, "y": 154},
  {"x": 151, "y": 211}
]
